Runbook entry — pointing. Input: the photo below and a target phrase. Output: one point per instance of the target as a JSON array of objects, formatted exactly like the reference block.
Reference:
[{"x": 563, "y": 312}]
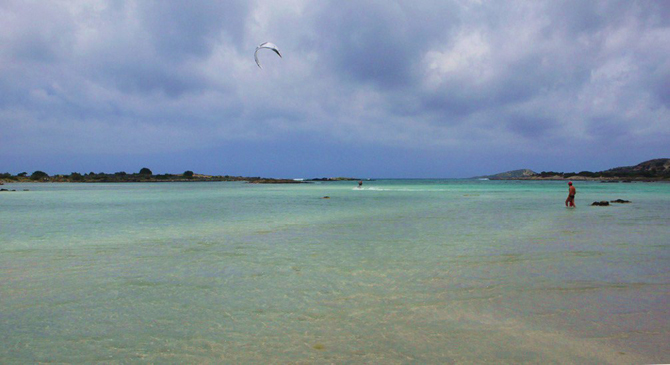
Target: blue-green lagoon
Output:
[{"x": 399, "y": 271}]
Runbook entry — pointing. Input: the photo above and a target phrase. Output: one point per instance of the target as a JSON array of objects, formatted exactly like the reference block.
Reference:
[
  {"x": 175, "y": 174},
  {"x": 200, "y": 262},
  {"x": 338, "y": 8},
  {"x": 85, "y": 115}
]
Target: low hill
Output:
[{"x": 514, "y": 174}]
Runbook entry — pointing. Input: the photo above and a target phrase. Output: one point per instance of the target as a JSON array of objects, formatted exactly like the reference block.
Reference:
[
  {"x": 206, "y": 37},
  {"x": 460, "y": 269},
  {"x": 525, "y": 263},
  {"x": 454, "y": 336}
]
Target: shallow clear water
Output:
[{"x": 400, "y": 271}]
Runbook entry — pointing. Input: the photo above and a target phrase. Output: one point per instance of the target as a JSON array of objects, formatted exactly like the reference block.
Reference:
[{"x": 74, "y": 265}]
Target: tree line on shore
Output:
[{"x": 144, "y": 175}]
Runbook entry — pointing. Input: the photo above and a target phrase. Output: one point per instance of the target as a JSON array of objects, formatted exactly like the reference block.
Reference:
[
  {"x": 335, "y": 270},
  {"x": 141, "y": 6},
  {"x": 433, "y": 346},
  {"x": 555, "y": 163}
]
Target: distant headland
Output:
[{"x": 652, "y": 170}]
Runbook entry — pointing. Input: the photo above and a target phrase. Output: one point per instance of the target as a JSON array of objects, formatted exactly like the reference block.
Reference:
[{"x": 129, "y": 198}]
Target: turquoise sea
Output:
[{"x": 400, "y": 271}]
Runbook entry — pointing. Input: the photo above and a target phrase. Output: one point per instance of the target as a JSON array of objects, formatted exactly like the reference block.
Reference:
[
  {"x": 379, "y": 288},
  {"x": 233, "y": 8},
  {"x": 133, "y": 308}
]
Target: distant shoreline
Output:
[
  {"x": 122, "y": 177},
  {"x": 656, "y": 170},
  {"x": 56, "y": 180},
  {"x": 311, "y": 181}
]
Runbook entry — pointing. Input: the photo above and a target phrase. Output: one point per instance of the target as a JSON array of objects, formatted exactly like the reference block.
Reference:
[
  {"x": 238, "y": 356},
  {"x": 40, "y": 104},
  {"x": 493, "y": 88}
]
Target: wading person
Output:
[{"x": 571, "y": 195}]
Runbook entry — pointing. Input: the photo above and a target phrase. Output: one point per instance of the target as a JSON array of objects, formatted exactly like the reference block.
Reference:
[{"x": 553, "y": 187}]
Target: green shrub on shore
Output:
[
  {"x": 75, "y": 176},
  {"x": 7, "y": 177},
  {"x": 39, "y": 175}
]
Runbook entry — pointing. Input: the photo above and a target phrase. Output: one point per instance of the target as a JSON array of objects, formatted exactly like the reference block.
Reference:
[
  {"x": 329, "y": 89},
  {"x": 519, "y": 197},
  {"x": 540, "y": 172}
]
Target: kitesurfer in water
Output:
[
  {"x": 360, "y": 183},
  {"x": 571, "y": 195}
]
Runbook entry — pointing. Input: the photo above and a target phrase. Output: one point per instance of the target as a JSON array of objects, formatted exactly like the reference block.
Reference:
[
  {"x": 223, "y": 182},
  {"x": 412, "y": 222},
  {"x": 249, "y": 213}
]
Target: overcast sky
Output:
[{"x": 365, "y": 88}]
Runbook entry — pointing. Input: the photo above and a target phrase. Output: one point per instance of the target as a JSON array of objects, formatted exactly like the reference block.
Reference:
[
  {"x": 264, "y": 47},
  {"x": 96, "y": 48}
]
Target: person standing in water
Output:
[{"x": 571, "y": 195}]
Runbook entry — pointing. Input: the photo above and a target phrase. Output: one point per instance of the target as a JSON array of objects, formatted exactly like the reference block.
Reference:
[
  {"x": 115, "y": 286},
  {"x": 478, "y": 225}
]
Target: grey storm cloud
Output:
[
  {"x": 439, "y": 76},
  {"x": 382, "y": 42}
]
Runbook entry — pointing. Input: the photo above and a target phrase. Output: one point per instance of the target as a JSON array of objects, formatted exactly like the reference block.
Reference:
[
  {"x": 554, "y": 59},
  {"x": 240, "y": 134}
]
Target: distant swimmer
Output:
[
  {"x": 571, "y": 195},
  {"x": 360, "y": 184}
]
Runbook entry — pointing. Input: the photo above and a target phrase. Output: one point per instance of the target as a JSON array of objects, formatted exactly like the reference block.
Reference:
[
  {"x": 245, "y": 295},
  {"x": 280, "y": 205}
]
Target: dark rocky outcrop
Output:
[
  {"x": 602, "y": 203},
  {"x": 620, "y": 201}
]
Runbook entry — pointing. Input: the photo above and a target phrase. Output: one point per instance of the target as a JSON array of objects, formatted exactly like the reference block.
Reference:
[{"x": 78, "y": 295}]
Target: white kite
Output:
[{"x": 267, "y": 45}]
